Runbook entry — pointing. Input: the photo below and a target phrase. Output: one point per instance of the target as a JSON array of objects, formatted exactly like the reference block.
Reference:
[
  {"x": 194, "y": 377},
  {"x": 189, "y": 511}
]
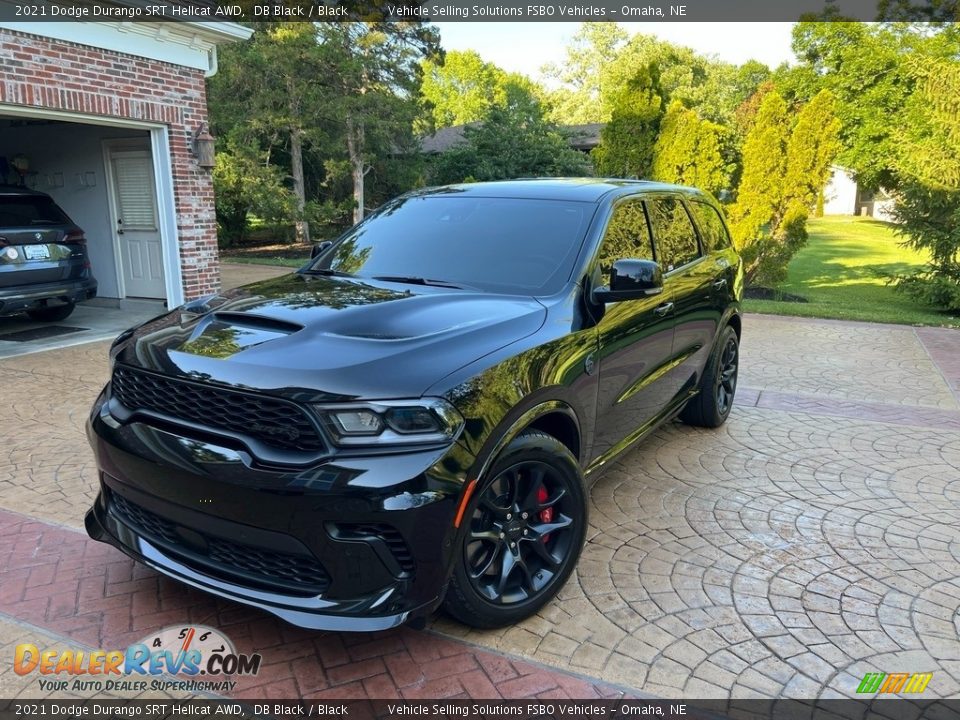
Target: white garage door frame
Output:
[{"x": 163, "y": 180}]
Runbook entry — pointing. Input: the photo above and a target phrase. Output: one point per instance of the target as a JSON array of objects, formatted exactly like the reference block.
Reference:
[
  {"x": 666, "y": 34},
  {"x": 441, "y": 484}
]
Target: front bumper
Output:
[
  {"x": 358, "y": 544},
  {"x": 28, "y": 297}
]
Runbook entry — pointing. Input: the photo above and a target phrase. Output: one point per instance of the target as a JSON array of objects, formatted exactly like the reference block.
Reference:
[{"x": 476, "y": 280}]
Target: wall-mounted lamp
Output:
[{"x": 203, "y": 144}]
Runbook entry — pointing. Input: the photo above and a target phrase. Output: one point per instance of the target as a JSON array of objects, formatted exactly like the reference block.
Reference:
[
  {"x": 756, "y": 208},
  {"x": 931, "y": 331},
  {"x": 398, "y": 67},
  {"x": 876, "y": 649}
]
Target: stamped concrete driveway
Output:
[{"x": 814, "y": 538}]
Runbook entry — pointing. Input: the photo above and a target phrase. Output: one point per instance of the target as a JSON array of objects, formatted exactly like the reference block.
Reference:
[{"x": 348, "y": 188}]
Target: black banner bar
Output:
[
  {"x": 476, "y": 10},
  {"x": 624, "y": 709}
]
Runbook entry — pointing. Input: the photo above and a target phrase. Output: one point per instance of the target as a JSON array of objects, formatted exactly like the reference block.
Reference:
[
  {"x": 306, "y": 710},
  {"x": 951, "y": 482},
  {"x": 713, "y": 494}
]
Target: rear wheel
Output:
[
  {"x": 52, "y": 313},
  {"x": 711, "y": 406},
  {"x": 524, "y": 533}
]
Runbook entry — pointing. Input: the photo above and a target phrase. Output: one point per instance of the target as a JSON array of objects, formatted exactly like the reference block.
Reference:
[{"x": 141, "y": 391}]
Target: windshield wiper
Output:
[
  {"x": 413, "y": 280},
  {"x": 326, "y": 271}
]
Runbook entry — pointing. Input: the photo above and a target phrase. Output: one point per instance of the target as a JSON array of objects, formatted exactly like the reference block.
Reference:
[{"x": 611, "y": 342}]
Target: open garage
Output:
[
  {"x": 109, "y": 120},
  {"x": 104, "y": 178}
]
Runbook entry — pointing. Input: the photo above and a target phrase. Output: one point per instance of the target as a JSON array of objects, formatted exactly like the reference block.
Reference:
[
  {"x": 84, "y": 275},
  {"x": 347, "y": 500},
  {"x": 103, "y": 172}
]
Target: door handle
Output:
[
  {"x": 119, "y": 226},
  {"x": 662, "y": 310},
  {"x": 720, "y": 284}
]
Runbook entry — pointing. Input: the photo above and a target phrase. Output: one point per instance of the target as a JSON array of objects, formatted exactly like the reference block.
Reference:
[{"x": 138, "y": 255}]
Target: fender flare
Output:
[{"x": 516, "y": 427}]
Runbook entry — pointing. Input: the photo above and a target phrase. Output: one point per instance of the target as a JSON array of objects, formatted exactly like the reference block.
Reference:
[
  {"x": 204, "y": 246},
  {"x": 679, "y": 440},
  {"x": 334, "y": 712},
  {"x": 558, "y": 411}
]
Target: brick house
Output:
[{"x": 105, "y": 118}]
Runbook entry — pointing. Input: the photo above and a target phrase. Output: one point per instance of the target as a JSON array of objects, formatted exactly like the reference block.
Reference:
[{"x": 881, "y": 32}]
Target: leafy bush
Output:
[
  {"x": 245, "y": 186},
  {"x": 689, "y": 151},
  {"x": 930, "y": 221},
  {"x": 627, "y": 141},
  {"x": 768, "y": 256},
  {"x": 511, "y": 142}
]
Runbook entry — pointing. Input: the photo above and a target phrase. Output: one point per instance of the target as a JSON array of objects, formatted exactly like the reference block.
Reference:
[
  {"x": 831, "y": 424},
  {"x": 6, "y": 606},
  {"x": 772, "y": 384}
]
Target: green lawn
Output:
[{"x": 842, "y": 272}]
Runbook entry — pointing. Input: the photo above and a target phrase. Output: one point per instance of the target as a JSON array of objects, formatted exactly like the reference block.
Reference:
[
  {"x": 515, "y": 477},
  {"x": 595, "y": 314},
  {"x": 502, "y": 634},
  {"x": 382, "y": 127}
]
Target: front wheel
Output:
[
  {"x": 711, "y": 406},
  {"x": 523, "y": 534}
]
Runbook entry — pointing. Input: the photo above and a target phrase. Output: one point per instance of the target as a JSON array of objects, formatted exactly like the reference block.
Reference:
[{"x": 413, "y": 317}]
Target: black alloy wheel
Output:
[
  {"x": 712, "y": 404},
  {"x": 522, "y": 535},
  {"x": 727, "y": 377},
  {"x": 519, "y": 534}
]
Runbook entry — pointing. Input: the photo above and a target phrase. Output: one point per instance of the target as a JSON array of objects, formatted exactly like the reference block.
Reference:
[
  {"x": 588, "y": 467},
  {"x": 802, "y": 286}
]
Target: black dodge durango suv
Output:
[{"x": 412, "y": 418}]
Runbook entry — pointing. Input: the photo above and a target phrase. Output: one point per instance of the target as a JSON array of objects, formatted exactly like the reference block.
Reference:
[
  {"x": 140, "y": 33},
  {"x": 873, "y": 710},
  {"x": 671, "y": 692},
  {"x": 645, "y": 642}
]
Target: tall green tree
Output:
[
  {"x": 514, "y": 140},
  {"x": 867, "y": 68},
  {"x": 627, "y": 140},
  {"x": 265, "y": 98},
  {"x": 813, "y": 145},
  {"x": 928, "y": 199},
  {"x": 601, "y": 60},
  {"x": 245, "y": 183},
  {"x": 688, "y": 151},
  {"x": 761, "y": 191},
  {"x": 930, "y": 132},
  {"x": 461, "y": 87},
  {"x": 374, "y": 70},
  {"x": 594, "y": 47},
  {"x": 785, "y": 167}
]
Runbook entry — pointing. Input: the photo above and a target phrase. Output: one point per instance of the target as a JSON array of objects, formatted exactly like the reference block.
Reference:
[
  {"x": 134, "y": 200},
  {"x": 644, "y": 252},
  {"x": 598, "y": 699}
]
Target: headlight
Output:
[{"x": 392, "y": 422}]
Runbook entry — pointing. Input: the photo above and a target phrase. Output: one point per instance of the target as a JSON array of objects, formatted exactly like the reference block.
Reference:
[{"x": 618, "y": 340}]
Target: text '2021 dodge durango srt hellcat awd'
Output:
[{"x": 411, "y": 418}]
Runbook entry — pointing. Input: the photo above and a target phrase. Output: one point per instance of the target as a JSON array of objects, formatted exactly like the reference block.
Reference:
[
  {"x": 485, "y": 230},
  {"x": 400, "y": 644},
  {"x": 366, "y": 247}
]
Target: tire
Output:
[
  {"x": 494, "y": 584},
  {"x": 51, "y": 314},
  {"x": 711, "y": 406}
]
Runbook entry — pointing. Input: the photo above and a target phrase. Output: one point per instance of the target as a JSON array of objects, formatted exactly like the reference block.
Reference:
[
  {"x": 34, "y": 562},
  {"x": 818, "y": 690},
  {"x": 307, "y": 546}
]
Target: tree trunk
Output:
[
  {"x": 357, "y": 171},
  {"x": 296, "y": 162}
]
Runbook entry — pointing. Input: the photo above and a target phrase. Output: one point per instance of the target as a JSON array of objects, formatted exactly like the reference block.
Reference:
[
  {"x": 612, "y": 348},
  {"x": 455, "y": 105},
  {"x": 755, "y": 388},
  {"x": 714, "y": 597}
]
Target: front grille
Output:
[
  {"x": 272, "y": 421},
  {"x": 269, "y": 568},
  {"x": 145, "y": 521},
  {"x": 390, "y": 535}
]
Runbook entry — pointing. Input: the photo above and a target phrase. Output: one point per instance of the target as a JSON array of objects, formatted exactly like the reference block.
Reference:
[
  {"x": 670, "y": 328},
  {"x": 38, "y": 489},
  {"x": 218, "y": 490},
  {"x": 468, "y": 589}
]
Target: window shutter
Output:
[{"x": 136, "y": 200}]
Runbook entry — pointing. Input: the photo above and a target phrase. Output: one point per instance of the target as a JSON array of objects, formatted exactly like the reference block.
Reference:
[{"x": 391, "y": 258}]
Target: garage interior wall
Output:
[{"x": 72, "y": 154}]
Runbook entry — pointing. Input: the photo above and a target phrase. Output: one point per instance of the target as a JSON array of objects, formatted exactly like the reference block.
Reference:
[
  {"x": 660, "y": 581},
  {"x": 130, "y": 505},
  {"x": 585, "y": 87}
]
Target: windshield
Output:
[
  {"x": 505, "y": 245},
  {"x": 25, "y": 211}
]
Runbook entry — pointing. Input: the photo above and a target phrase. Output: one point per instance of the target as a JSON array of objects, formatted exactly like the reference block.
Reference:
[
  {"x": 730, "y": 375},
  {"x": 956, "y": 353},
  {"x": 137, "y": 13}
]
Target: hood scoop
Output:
[
  {"x": 225, "y": 334},
  {"x": 257, "y": 322}
]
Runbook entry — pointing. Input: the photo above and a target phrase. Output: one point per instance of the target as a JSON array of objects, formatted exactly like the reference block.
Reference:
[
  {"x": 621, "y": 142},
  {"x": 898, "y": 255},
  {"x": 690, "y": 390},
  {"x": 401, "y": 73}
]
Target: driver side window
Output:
[{"x": 627, "y": 236}]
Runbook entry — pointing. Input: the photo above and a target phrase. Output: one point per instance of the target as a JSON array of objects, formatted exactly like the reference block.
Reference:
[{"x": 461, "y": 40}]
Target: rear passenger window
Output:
[
  {"x": 675, "y": 238},
  {"x": 627, "y": 236},
  {"x": 713, "y": 232}
]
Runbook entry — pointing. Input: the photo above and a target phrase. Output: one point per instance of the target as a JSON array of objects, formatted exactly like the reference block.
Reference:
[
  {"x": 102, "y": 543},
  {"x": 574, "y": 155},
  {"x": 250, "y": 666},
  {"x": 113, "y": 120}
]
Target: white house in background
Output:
[{"x": 842, "y": 196}]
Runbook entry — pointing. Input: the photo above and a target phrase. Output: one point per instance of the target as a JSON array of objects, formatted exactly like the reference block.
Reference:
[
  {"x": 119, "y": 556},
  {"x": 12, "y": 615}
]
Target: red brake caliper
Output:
[{"x": 546, "y": 515}]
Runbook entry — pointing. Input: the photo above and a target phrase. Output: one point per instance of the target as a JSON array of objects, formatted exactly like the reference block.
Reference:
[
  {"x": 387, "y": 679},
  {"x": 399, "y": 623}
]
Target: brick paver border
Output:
[
  {"x": 57, "y": 579},
  {"x": 856, "y": 409}
]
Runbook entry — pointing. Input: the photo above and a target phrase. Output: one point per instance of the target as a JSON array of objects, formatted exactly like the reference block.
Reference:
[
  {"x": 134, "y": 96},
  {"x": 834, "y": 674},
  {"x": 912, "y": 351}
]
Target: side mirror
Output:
[
  {"x": 630, "y": 280},
  {"x": 320, "y": 248}
]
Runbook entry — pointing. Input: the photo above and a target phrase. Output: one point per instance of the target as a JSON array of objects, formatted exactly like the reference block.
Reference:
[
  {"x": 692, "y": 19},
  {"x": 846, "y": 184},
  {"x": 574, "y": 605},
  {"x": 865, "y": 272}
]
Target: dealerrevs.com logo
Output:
[{"x": 195, "y": 652}]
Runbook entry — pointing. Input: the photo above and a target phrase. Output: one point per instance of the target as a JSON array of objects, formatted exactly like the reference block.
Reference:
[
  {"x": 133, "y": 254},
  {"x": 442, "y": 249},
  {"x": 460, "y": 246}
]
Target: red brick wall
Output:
[{"x": 43, "y": 73}]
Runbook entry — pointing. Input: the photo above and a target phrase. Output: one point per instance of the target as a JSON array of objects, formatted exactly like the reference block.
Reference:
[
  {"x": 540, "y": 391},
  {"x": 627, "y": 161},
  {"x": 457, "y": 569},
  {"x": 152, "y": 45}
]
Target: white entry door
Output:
[{"x": 137, "y": 225}]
